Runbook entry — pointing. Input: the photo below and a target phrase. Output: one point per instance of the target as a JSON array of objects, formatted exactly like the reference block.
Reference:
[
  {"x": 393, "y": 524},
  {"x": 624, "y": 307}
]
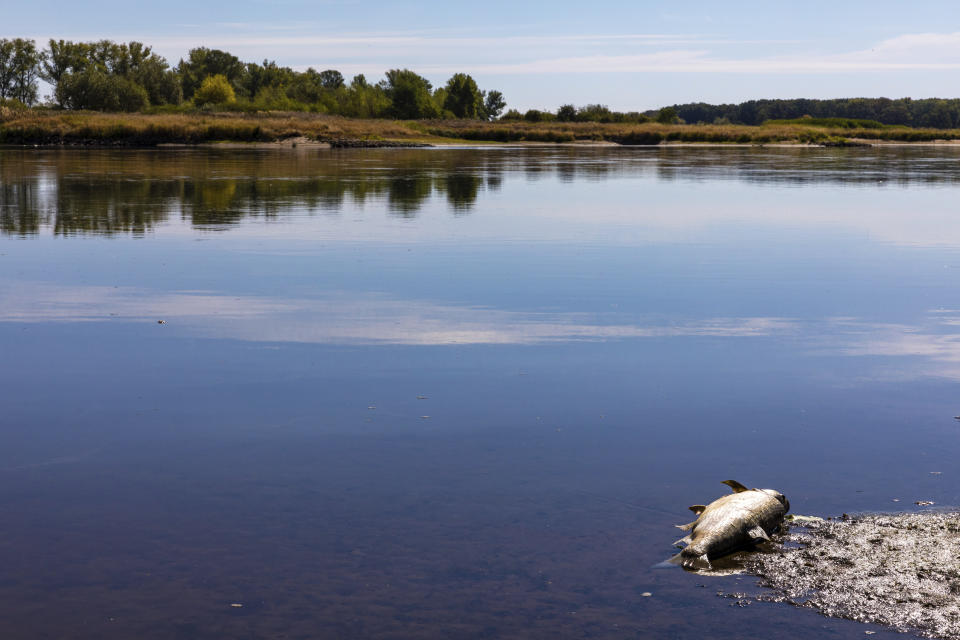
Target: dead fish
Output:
[{"x": 746, "y": 517}]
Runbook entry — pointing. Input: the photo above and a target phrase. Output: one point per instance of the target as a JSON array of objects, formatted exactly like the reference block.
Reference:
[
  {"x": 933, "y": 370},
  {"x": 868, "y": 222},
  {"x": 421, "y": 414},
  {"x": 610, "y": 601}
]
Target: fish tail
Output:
[{"x": 673, "y": 561}]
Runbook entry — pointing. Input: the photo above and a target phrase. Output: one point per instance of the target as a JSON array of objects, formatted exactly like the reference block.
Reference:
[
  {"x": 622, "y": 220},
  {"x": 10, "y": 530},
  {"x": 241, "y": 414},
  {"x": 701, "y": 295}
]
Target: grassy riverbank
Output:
[{"x": 43, "y": 127}]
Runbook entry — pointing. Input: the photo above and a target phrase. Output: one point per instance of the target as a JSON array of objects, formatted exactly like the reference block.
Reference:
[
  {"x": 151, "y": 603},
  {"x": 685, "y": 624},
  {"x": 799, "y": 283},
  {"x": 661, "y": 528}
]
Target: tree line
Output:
[
  {"x": 110, "y": 76},
  {"x": 935, "y": 113}
]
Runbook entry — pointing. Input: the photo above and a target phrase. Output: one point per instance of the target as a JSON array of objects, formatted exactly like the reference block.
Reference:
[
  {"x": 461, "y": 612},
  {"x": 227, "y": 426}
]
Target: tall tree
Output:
[
  {"x": 25, "y": 64},
  {"x": 202, "y": 63},
  {"x": 96, "y": 89},
  {"x": 409, "y": 94},
  {"x": 331, "y": 79},
  {"x": 268, "y": 75},
  {"x": 6, "y": 68},
  {"x": 463, "y": 98},
  {"x": 62, "y": 57},
  {"x": 493, "y": 104}
]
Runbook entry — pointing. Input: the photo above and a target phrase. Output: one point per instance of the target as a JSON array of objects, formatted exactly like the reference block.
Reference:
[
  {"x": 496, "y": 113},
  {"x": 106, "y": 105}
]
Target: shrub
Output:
[
  {"x": 567, "y": 113},
  {"x": 667, "y": 115},
  {"x": 839, "y": 123},
  {"x": 214, "y": 90},
  {"x": 535, "y": 115}
]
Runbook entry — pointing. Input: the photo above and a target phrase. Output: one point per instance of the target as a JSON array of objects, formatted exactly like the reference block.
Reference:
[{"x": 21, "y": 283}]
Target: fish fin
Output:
[
  {"x": 685, "y": 540},
  {"x": 736, "y": 486},
  {"x": 686, "y": 527},
  {"x": 701, "y": 562},
  {"x": 698, "y": 508},
  {"x": 757, "y": 534},
  {"x": 673, "y": 561}
]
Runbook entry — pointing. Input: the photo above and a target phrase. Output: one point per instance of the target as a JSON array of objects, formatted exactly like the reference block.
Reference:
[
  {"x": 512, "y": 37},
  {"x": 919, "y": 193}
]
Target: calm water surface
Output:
[{"x": 455, "y": 393}]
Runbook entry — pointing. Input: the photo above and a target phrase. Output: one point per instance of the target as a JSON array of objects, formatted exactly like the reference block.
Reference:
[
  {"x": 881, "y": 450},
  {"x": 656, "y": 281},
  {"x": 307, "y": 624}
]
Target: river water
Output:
[{"x": 456, "y": 393}]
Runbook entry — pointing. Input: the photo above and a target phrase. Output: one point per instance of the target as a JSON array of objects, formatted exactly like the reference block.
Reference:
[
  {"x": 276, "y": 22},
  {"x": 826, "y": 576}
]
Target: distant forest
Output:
[
  {"x": 110, "y": 76},
  {"x": 934, "y": 113}
]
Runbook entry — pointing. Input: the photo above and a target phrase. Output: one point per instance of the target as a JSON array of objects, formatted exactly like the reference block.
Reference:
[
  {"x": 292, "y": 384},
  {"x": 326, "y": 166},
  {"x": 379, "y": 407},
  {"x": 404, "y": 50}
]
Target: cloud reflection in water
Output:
[
  {"x": 930, "y": 348},
  {"x": 347, "y": 319}
]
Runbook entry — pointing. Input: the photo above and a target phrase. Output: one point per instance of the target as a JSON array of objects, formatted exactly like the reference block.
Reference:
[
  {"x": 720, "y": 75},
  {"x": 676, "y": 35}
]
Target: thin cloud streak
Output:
[
  {"x": 584, "y": 53},
  {"x": 433, "y": 42},
  {"x": 930, "y": 51}
]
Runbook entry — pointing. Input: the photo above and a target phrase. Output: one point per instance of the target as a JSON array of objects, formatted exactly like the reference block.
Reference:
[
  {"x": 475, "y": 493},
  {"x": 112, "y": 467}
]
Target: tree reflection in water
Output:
[{"x": 104, "y": 192}]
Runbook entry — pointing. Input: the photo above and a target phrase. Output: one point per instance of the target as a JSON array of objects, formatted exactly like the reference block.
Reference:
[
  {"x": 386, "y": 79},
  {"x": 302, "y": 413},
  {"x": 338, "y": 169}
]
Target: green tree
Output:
[
  {"x": 306, "y": 87},
  {"x": 62, "y": 57},
  {"x": 597, "y": 113},
  {"x": 409, "y": 94},
  {"x": 667, "y": 115},
  {"x": 6, "y": 69},
  {"x": 463, "y": 98},
  {"x": 268, "y": 75},
  {"x": 895, "y": 113},
  {"x": 331, "y": 79},
  {"x": 536, "y": 115},
  {"x": 95, "y": 89},
  {"x": 137, "y": 63},
  {"x": 493, "y": 105},
  {"x": 567, "y": 113},
  {"x": 21, "y": 65},
  {"x": 202, "y": 63},
  {"x": 364, "y": 100},
  {"x": 937, "y": 115},
  {"x": 214, "y": 90}
]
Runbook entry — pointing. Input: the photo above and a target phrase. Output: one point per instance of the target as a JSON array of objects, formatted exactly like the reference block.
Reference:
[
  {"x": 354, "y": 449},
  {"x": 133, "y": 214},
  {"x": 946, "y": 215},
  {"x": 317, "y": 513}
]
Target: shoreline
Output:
[
  {"x": 67, "y": 129},
  {"x": 308, "y": 145}
]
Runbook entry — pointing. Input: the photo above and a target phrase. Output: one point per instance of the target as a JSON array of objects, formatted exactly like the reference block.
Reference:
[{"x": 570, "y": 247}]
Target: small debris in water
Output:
[
  {"x": 373, "y": 406},
  {"x": 421, "y": 397},
  {"x": 645, "y": 594},
  {"x": 924, "y": 503},
  {"x": 869, "y": 633},
  {"x": 161, "y": 322},
  {"x": 424, "y": 417},
  {"x": 935, "y": 473},
  {"x": 236, "y": 605}
]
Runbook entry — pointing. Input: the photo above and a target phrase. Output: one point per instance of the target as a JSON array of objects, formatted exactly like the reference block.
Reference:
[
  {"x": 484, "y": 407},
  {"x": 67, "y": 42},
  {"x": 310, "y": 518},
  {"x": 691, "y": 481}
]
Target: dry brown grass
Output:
[{"x": 59, "y": 127}]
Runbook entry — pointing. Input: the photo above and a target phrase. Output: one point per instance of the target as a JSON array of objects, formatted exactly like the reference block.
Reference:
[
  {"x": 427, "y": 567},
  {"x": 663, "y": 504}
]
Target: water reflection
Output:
[
  {"x": 356, "y": 424},
  {"x": 133, "y": 192},
  {"x": 928, "y": 348},
  {"x": 78, "y": 192},
  {"x": 354, "y": 319}
]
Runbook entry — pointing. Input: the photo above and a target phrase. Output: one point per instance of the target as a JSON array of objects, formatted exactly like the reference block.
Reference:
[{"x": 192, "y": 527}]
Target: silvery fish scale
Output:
[{"x": 735, "y": 521}]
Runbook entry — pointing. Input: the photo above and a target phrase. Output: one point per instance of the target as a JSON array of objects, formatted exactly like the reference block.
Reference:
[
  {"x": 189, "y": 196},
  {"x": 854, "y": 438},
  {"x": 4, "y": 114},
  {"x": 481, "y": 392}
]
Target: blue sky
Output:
[{"x": 627, "y": 55}]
